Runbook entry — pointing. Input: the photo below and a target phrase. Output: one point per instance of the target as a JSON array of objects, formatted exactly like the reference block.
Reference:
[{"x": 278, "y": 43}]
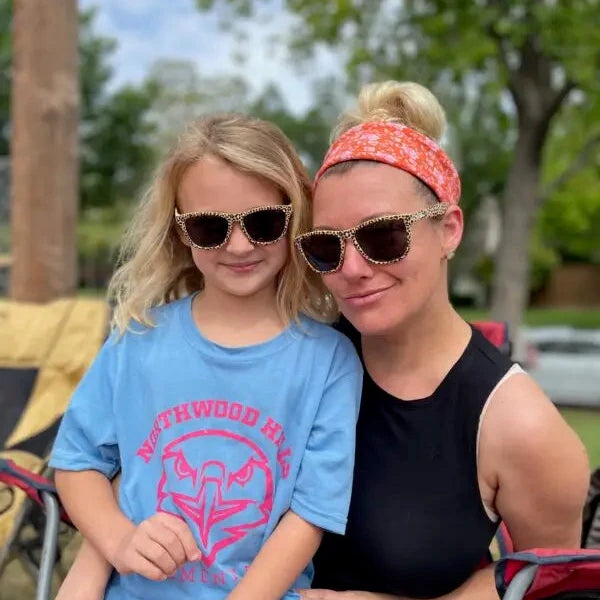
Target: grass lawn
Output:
[{"x": 586, "y": 422}]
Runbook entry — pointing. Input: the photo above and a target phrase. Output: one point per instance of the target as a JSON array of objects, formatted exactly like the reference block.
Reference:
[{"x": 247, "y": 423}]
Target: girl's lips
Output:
[{"x": 244, "y": 267}]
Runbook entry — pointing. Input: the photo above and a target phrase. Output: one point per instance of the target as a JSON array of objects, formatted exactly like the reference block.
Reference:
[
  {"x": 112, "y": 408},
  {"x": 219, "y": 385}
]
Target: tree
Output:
[
  {"x": 522, "y": 58},
  {"x": 116, "y": 149},
  {"x": 570, "y": 217},
  {"x": 309, "y": 132},
  {"x": 44, "y": 121},
  {"x": 116, "y": 140},
  {"x": 181, "y": 95},
  {"x": 116, "y": 133}
]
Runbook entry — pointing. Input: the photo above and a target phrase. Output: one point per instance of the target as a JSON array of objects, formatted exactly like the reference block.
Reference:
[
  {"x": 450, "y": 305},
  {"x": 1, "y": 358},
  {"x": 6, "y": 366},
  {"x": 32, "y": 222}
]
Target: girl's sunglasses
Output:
[
  {"x": 382, "y": 240},
  {"x": 262, "y": 225}
]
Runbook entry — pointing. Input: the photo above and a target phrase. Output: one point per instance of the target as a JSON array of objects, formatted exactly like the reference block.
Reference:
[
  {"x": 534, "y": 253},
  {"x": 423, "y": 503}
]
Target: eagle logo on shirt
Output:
[{"x": 221, "y": 483}]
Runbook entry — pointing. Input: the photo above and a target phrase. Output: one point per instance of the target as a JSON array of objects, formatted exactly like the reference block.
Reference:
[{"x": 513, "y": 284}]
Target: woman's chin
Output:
[{"x": 372, "y": 322}]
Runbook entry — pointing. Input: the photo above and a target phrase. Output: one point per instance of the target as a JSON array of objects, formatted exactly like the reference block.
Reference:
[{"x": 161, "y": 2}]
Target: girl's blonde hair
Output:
[
  {"x": 156, "y": 267},
  {"x": 403, "y": 102}
]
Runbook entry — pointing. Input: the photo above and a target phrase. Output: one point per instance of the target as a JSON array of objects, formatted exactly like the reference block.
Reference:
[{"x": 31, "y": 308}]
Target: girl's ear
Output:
[{"x": 181, "y": 235}]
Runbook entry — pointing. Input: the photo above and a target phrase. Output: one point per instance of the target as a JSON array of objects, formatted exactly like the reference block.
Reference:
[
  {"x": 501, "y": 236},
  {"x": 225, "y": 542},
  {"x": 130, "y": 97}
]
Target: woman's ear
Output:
[{"x": 452, "y": 232}]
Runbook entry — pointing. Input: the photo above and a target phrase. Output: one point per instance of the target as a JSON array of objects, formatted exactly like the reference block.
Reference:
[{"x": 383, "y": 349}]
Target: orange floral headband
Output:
[{"x": 399, "y": 146}]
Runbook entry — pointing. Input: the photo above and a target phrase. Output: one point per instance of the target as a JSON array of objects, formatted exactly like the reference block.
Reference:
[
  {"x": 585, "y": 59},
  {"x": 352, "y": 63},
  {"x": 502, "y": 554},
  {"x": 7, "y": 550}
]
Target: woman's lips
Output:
[{"x": 365, "y": 298}]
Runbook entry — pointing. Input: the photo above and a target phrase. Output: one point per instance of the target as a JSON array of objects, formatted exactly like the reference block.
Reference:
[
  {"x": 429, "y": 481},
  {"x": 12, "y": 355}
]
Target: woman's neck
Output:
[
  {"x": 411, "y": 361},
  {"x": 237, "y": 321}
]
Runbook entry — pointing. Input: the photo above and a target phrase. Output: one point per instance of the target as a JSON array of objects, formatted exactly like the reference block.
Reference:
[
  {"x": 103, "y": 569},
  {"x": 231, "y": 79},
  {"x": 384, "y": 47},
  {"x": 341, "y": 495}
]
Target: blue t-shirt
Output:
[{"x": 227, "y": 438}]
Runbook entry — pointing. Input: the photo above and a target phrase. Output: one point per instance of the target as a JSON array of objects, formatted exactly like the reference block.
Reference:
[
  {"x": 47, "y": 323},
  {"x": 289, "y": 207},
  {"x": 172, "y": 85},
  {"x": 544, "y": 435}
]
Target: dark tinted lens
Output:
[
  {"x": 265, "y": 225},
  {"x": 384, "y": 240},
  {"x": 322, "y": 251},
  {"x": 207, "y": 231}
]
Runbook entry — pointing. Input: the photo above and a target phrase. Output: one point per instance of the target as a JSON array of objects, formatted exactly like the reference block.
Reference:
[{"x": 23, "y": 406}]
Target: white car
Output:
[{"x": 566, "y": 363}]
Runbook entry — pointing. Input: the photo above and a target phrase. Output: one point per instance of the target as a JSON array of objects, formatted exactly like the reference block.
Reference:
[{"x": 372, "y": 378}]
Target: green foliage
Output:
[
  {"x": 308, "y": 132},
  {"x": 570, "y": 221},
  {"x": 570, "y": 218},
  {"x": 5, "y": 66},
  {"x": 115, "y": 129},
  {"x": 180, "y": 95},
  {"x": 4, "y": 238},
  {"x": 99, "y": 233},
  {"x": 98, "y": 236},
  {"x": 94, "y": 71},
  {"x": 116, "y": 149},
  {"x": 543, "y": 259}
]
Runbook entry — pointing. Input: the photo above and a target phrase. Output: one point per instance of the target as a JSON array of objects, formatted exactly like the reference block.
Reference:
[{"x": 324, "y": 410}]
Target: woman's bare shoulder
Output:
[{"x": 536, "y": 463}]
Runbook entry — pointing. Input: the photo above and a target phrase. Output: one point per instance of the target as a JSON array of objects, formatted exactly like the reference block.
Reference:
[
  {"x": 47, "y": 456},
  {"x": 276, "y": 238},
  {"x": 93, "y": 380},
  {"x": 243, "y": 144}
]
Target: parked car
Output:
[{"x": 565, "y": 362}]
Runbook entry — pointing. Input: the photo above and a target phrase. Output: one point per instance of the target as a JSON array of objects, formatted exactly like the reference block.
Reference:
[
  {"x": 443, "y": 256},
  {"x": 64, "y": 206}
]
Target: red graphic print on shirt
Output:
[{"x": 224, "y": 496}]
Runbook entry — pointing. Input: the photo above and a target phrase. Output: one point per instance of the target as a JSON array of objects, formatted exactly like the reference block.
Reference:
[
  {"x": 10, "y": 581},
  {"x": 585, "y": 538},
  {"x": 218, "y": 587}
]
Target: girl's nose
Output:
[{"x": 238, "y": 242}]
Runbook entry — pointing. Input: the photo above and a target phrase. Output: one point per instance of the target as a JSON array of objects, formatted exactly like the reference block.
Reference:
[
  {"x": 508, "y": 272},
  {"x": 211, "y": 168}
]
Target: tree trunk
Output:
[
  {"x": 511, "y": 275},
  {"x": 44, "y": 178},
  {"x": 536, "y": 101}
]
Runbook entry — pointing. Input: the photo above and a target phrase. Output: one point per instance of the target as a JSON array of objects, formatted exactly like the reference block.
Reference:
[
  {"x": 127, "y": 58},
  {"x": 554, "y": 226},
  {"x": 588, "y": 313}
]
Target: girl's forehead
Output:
[{"x": 214, "y": 185}]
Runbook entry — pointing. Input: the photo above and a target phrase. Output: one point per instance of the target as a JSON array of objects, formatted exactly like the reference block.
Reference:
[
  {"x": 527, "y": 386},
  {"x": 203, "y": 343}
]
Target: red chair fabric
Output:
[
  {"x": 564, "y": 574},
  {"x": 31, "y": 483}
]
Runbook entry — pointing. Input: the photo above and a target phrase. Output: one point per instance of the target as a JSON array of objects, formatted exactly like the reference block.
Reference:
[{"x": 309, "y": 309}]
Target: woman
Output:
[{"x": 452, "y": 437}]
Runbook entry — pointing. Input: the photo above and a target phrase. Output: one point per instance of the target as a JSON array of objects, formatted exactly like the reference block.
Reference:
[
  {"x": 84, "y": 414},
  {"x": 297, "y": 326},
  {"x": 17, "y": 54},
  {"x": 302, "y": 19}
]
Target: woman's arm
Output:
[
  {"x": 88, "y": 576},
  {"x": 536, "y": 464},
  {"x": 283, "y": 557}
]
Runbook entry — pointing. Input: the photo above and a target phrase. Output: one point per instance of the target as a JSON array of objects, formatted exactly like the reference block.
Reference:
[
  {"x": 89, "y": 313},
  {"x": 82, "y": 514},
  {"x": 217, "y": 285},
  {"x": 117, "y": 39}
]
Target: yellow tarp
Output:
[{"x": 60, "y": 339}]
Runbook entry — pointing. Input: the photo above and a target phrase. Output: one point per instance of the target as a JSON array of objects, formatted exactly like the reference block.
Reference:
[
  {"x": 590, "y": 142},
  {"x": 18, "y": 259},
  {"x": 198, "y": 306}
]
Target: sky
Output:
[{"x": 148, "y": 30}]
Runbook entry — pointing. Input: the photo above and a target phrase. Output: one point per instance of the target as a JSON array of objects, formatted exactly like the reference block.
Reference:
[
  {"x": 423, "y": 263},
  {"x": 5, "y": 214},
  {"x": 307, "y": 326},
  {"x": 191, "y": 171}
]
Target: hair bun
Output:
[{"x": 406, "y": 102}]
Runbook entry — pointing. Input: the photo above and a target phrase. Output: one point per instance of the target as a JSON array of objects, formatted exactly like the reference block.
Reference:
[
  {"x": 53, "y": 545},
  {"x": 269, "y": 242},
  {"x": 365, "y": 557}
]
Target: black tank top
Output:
[{"x": 417, "y": 526}]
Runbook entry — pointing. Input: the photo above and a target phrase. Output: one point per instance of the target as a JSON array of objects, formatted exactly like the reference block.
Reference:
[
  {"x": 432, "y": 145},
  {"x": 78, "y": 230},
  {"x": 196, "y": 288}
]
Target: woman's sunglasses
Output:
[
  {"x": 262, "y": 225},
  {"x": 382, "y": 240}
]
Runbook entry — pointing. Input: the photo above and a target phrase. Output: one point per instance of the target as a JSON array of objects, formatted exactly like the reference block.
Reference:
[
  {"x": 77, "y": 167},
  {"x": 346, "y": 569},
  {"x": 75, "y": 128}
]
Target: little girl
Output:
[{"x": 225, "y": 404}]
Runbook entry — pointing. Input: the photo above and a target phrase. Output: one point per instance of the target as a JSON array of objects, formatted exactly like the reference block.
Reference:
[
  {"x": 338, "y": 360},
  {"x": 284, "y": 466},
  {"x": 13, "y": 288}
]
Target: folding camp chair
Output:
[
  {"x": 548, "y": 574},
  {"x": 591, "y": 515},
  {"x": 497, "y": 333},
  {"x": 543, "y": 574},
  {"x": 44, "y": 351},
  {"x": 42, "y": 491}
]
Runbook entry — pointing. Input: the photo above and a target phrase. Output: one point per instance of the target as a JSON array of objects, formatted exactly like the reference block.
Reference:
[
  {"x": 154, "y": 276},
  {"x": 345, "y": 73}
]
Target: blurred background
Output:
[{"x": 92, "y": 93}]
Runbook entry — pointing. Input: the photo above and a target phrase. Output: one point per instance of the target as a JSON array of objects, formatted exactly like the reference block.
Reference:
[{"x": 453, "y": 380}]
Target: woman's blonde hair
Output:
[
  {"x": 403, "y": 102},
  {"x": 155, "y": 265}
]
